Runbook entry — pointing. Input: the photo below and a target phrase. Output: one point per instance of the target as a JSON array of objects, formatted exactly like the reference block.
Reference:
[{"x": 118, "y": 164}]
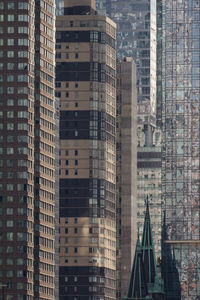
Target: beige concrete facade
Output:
[
  {"x": 126, "y": 172},
  {"x": 86, "y": 86}
]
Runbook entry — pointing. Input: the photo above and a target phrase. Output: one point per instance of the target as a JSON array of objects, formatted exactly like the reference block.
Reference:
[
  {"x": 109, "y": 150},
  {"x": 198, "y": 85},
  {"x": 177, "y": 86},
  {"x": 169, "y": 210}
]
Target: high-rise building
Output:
[
  {"x": 126, "y": 171},
  {"x": 181, "y": 145},
  {"x": 136, "y": 37},
  {"x": 86, "y": 86},
  {"x": 180, "y": 165},
  {"x": 27, "y": 149}
]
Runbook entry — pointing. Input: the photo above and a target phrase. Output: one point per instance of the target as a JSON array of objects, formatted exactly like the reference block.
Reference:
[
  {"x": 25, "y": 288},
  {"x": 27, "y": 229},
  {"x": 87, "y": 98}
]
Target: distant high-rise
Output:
[
  {"x": 137, "y": 32},
  {"x": 86, "y": 86},
  {"x": 181, "y": 147},
  {"x": 126, "y": 171},
  {"x": 27, "y": 149}
]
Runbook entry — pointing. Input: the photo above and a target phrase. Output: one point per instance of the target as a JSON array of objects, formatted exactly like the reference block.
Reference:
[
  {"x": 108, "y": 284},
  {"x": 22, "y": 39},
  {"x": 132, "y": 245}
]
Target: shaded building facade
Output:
[
  {"x": 180, "y": 164},
  {"x": 126, "y": 171},
  {"x": 86, "y": 86},
  {"x": 27, "y": 150}
]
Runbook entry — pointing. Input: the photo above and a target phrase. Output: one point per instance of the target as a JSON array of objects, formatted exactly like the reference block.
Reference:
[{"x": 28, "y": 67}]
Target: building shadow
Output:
[{"x": 168, "y": 268}]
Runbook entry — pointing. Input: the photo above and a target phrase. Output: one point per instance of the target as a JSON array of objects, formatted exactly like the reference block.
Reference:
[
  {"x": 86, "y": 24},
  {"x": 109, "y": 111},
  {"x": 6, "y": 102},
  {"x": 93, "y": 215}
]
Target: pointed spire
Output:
[
  {"x": 148, "y": 251},
  {"x": 137, "y": 286}
]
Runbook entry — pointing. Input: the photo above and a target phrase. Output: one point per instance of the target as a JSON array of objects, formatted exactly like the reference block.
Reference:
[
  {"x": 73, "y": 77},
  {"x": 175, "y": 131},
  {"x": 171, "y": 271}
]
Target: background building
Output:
[
  {"x": 126, "y": 172},
  {"x": 86, "y": 86},
  {"x": 27, "y": 150},
  {"x": 181, "y": 145},
  {"x": 136, "y": 37}
]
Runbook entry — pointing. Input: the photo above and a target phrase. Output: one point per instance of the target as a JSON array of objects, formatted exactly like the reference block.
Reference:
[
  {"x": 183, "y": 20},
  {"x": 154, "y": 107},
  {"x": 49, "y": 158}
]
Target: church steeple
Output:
[
  {"x": 145, "y": 282},
  {"x": 148, "y": 250},
  {"x": 138, "y": 285}
]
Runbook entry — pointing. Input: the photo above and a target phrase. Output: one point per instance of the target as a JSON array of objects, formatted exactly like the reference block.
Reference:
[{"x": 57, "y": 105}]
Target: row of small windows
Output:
[
  {"x": 11, "y": 18},
  {"x": 10, "y": 90},
  {"x": 11, "y": 78},
  {"x": 75, "y": 172},
  {"x": 11, "y": 54},
  {"x": 11, "y": 5},
  {"x": 58, "y": 84},
  {"x": 66, "y": 55},
  {"x": 11, "y": 30}
]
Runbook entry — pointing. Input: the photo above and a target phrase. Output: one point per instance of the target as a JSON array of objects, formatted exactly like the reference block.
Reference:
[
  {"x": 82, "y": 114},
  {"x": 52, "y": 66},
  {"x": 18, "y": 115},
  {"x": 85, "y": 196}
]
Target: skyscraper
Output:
[
  {"x": 126, "y": 171},
  {"x": 136, "y": 37},
  {"x": 27, "y": 150},
  {"x": 181, "y": 145},
  {"x": 86, "y": 86}
]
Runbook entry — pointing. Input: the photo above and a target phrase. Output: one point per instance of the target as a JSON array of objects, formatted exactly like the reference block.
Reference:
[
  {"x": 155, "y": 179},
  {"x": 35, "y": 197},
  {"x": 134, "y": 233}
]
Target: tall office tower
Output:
[
  {"x": 126, "y": 172},
  {"x": 181, "y": 145},
  {"x": 86, "y": 86},
  {"x": 27, "y": 183}
]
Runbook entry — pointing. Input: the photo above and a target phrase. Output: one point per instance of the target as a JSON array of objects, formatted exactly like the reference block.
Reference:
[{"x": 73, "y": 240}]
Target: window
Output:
[
  {"x": 10, "y": 78},
  {"x": 10, "y": 54},
  {"x": 9, "y": 274},
  {"x": 66, "y": 230},
  {"x": 9, "y": 236},
  {"x": 23, "y": 30},
  {"x": 10, "y": 90},
  {"x": 10, "y": 151},
  {"x": 11, "y": 18},
  {"x": 58, "y": 84},
  {"x": 22, "y": 42},
  {"x": 1, "y": 5},
  {"x": 67, "y": 162},
  {"x": 76, "y": 162},
  {"x": 10, "y": 102},
  {"x": 76, "y": 55},
  {"x": 66, "y": 172},
  {"x": 10, "y": 30},
  {"x": 22, "y": 5},
  {"x": 75, "y": 230},
  {"x": 58, "y": 55},
  {"x": 10, "y": 187},
  {"x": 10, "y": 66},
  {"x": 9, "y": 223},
  {"x": 1, "y": 18},
  {"x": 10, "y": 114},
  {"x": 23, "y": 18},
  {"x": 11, "y": 5},
  {"x": 10, "y": 42},
  {"x": 75, "y": 250},
  {"x": 10, "y": 126}
]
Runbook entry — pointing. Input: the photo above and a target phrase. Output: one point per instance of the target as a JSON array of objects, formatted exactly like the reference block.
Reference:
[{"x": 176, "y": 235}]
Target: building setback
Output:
[
  {"x": 126, "y": 172},
  {"x": 181, "y": 146},
  {"x": 86, "y": 86},
  {"x": 27, "y": 150}
]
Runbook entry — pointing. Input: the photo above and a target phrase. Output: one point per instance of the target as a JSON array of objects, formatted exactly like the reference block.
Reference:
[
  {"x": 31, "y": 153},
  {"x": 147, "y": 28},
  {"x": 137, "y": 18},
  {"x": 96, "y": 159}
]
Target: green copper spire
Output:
[
  {"x": 145, "y": 282},
  {"x": 148, "y": 251},
  {"x": 137, "y": 286}
]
